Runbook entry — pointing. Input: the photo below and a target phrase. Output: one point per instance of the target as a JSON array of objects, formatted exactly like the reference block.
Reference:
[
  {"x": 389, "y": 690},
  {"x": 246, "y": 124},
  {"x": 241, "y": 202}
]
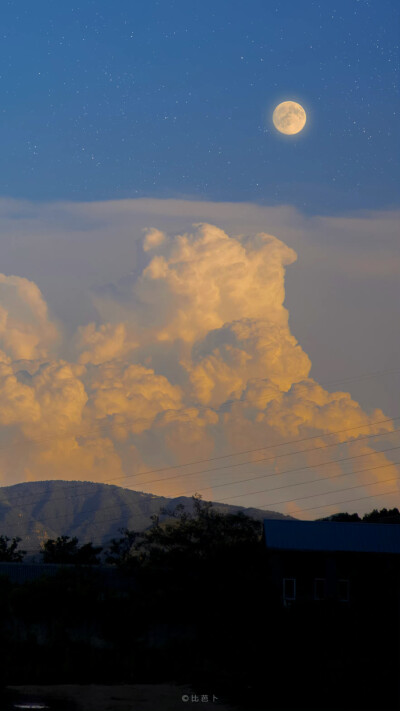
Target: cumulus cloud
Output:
[
  {"x": 132, "y": 393},
  {"x": 103, "y": 343},
  {"x": 188, "y": 358},
  {"x": 247, "y": 351},
  {"x": 199, "y": 281},
  {"x": 18, "y": 402},
  {"x": 25, "y": 328},
  {"x": 153, "y": 239}
]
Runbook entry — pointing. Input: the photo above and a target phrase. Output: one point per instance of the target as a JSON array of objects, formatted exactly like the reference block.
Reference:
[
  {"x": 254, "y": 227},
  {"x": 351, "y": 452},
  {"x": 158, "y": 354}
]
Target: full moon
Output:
[{"x": 289, "y": 117}]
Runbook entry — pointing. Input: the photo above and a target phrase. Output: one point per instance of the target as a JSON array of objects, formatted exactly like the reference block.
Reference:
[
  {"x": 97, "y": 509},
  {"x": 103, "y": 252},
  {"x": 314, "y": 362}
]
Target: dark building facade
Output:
[
  {"x": 347, "y": 563},
  {"x": 337, "y": 594},
  {"x": 108, "y": 575}
]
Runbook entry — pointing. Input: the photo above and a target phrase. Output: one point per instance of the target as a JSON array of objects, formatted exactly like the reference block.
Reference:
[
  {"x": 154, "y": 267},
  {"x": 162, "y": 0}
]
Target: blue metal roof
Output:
[{"x": 332, "y": 536}]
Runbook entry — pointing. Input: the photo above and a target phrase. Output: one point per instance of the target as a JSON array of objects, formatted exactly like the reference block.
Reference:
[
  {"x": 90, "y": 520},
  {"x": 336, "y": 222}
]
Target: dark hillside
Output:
[{"x": 35, "y": 511}]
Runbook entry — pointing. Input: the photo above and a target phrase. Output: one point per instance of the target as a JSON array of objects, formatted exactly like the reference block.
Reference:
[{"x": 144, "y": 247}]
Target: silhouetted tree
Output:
[
  {"x": 66, "y": 550},
  {"x": 120, "y": 551},
  {"x": 9, "y": 552},
  {"x": 374, "y": 516},
  {"x": 342, "y": 517},
  {"x": 201, "y": 535},
  {"x": 382, "y": 516}
]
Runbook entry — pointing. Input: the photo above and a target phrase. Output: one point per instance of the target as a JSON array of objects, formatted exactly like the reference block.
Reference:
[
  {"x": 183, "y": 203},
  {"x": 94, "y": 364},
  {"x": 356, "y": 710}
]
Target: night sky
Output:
[{"x": 108, "y": 100}]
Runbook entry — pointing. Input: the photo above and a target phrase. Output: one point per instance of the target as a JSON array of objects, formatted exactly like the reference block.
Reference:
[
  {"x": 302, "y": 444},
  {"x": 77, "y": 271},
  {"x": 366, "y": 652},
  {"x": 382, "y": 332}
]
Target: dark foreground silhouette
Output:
[{"x": 192, "y": 605}]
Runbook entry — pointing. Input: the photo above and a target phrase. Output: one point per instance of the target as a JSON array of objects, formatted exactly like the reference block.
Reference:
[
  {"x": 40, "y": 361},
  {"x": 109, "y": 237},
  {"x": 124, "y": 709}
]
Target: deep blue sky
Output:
[{"x": 124, "y": 99}]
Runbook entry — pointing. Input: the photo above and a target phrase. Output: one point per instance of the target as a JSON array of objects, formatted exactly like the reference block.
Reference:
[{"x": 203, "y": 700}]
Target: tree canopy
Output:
[
  {"x": 382, "y": 516},
  {"x": 343, "y": 517},
  {"x": 66, "y": 550},
  {"x": 9, "y": 552},
  {"x": 374, "y": 516},
  {"x": 201, "y": 535}
]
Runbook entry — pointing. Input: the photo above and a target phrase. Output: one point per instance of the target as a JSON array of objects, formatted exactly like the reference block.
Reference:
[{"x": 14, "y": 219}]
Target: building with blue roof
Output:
[
  {"x": 333, "y": 561},
  {"x": 332, "y": 592}
]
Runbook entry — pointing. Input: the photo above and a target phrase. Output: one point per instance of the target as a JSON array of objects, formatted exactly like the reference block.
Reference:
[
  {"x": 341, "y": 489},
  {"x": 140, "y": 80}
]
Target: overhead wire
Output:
[
  {"x": 325, "y": 478},
  {"x": 347, "y": 501},
  {"x": 279, "y": 456},
  {"x": 327, "y": 493},
  {"x": 107, "y": 424},
  {"x": 241, "y": 452},
  {"x": 223, "y": 456},
  {"x": 113, "y": 506},
  {"x": 321, "y": 506},
  {"x": 252, "y": 462},
  {"x": 313, "y": 466}
]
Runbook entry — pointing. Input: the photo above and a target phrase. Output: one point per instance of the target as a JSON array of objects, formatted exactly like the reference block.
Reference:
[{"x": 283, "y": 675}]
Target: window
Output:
[
  {"x": 319, "y": 589},
  {"x": 343, "y": 590},
  {"x": 289, "y": 588}
]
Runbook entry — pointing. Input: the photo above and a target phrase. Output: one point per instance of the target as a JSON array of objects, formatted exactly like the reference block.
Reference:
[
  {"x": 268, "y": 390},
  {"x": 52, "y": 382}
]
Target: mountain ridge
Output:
[{"x": 91, "y": 511}]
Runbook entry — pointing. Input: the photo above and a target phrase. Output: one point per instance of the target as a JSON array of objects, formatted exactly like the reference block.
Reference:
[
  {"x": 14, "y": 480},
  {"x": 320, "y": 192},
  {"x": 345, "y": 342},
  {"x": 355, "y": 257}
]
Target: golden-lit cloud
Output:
[
  {"x": 101, "y": 344},
  {"x": 247, "y": 351},
  {"x": 153, "y": 239},
  {"x": 132, "y": 393},
  {"x": 25, "y": 328},
  {"x": 189, "y": 357},
  {"x": 18, "y": 402},
  {"x": 199, "y": 281}
]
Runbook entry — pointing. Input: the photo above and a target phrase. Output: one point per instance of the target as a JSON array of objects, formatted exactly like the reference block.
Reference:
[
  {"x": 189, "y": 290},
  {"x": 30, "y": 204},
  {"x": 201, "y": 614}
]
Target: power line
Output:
[
  {"x": 348, "y": 501},
  {"x": 327, "y": 493},
  {"x": 265, "y": 476},
  {"x": 311, "y": 466},
  {"x": 234, "y": 454},
  {"x": 311, "y": 508},
  {"x": 239, "y": 464},
  {"x": 325, "y": 478},
  {"x": 261, "y": 459},
  {"x": 112, "y": 506},
  {"x": 336, "y": 503},
  {"x": 371, "y": 496},
  {"x": 108, "y": 424}
]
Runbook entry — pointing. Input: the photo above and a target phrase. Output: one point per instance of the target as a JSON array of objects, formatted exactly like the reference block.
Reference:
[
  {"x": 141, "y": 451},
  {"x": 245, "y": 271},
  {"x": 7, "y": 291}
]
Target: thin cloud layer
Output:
[{"x": 190, "y": 357}]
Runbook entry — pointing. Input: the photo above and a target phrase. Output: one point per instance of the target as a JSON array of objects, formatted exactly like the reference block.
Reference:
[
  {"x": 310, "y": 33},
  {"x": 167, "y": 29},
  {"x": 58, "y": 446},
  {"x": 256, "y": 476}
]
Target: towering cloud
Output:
[
  {"x": 25, "y": 329},
  {"x": 190, "y": 357}
]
